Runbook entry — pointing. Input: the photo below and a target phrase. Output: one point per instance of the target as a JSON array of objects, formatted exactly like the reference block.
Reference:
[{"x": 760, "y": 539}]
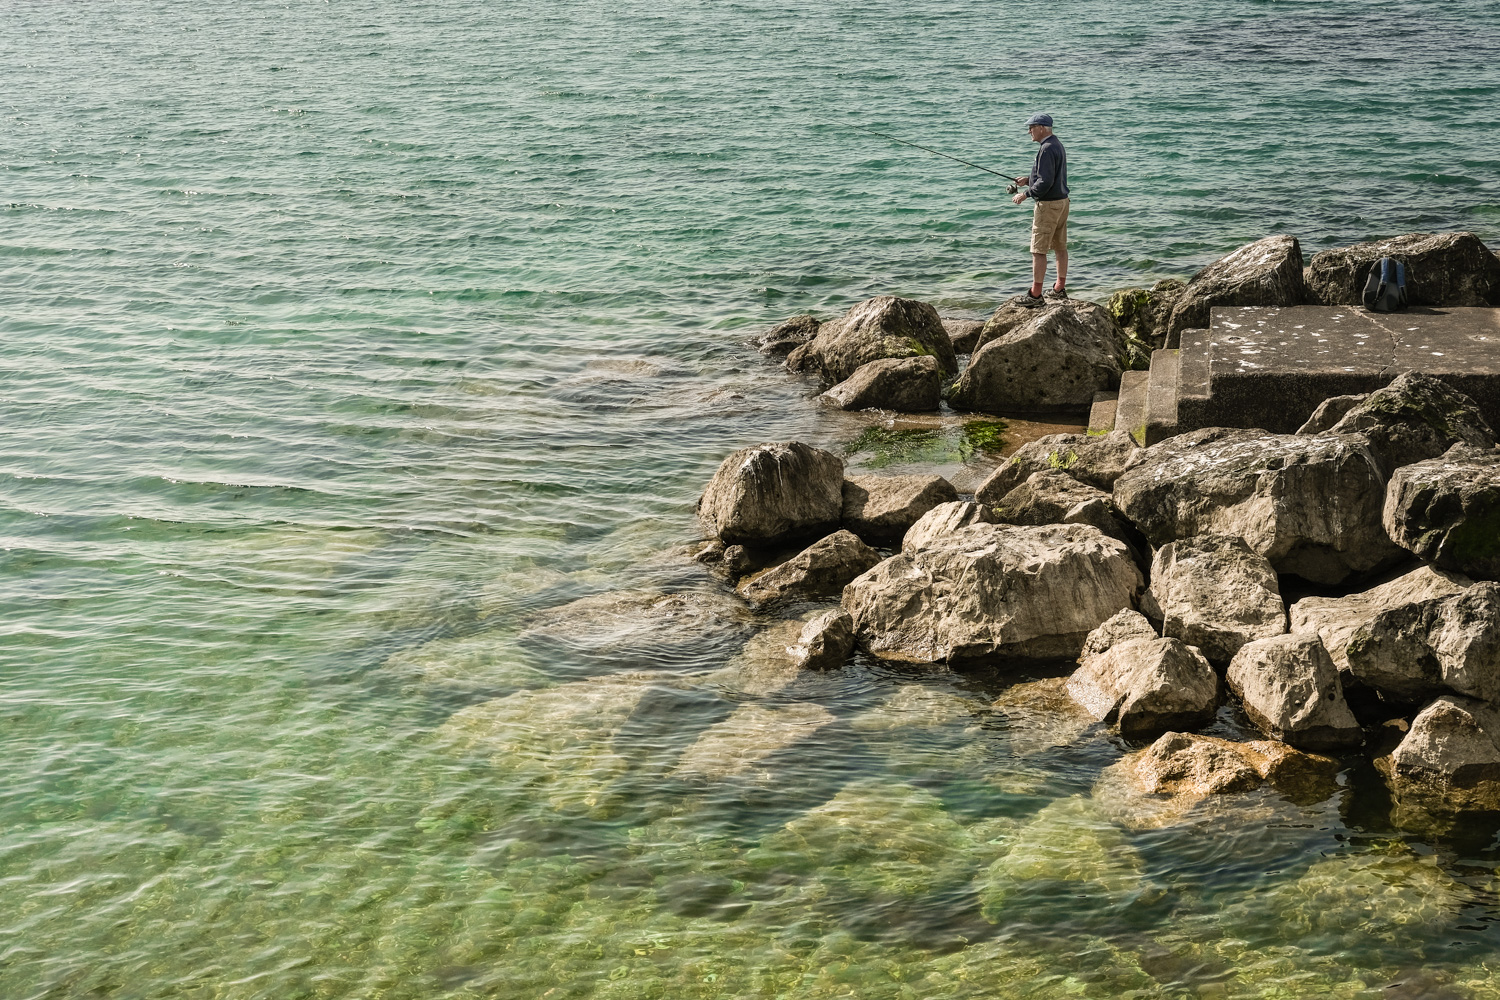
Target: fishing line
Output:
[{"x": 935, "y": 152}]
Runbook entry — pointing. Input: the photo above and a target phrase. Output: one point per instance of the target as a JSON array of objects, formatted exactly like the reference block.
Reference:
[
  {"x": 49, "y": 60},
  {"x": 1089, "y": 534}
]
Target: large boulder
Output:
[
  {"x": 1054, "y": 362},
  {"x": 1007, "y": 316},
  {"x": 774, "y": 493},
  {"x": 1412, "y": 652},
  {"x": 820, "y": 570},
  {"x": 1450, "y": 758},
  {"x": 906, "y": 385},
  {"x": 1311, "y": 505},
  {"x": 1447, "y": 510},
  {"x": 1148, "y": 686},
  {"x": 1291, "y": 690},
  {"x": 1267, "y": 272},
  {"x": 1143, "y": 313},
  {"x": 1214, "y": 592},
  {"x": 1335, "y": 619},
  {"x": 1058, "y": 498},
  {"x": 788, "y": 335},
  {"x": 880, "y": 509},
  {"x": 1449, "y": 269},
  {"x": 991, "y": 591},
  {"x": 1415, "y": 418},
  {"x": 882, "y": 327},
  {"x": 944, "y": 519},
  {"x": 1093, "y": 459}
]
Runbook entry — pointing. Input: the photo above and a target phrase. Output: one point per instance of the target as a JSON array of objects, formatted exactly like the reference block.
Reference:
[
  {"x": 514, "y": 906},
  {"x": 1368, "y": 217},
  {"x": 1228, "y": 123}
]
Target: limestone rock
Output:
[
  {"x": 1143, "y": 313},
  {"x": 825, "y": 642},
  {"x": 1149, "y": 686},
  {"x": 944, "y": 519},
  {"x": 964, "y": 333},
  {"x": 1330, "y": 412},
  {"x": 1311, "y": 505},
  {"x": 787, "y": 335},
  {"x": 1011, "y": 313},
  {"x": 1291, "y": 691},
  {"x": 1041, "y": 716},
  {"x": 641, "y": 624},
  {"x": 1450, "y": 758},
  {"x": 1447, "y": 510},
  {"x": 774, "y": 493},
  {"x": 882, "y": 327},
  {"x": 991, "y": 591},
  {"x": 1054, "y": 362},
  {"x": 1094, "y": 460},
  {"x": 1058, "y": 498},
  {"x": 1214, "y": 592},
  {"x": 749, "y": 736},
  {"x": 1417, "y": 650},
  {"x": 1415, "y": 418},
  {"x": 1123, "y": 626},
  {"x": 1336, "y": 619},
  {"x": 880, "y": 509},
  {"x": 1267, "y": 272},
  {"x": 1448, "y": 269},
  {"x": 906, "y": 385},
  {"x": 820, "y": 570}
]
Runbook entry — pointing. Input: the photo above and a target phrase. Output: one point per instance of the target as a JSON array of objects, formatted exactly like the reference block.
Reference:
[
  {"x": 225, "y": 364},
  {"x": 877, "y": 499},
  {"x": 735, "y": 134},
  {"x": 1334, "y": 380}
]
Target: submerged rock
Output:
[
  {"x": 1291, "y": 691},
  {"x": 1310, "y": 505},
  {"x": 1447, "y": 510},
  {"x": 945, "y": 519},
  {"x": 991, "y": 591},
  {"x": 788, "y": 335},
  {"x": 1214, "y": 592},
  {"x": 1095, "y": 460},
  {"x": 916, "y": 706},
  {"x": 1054, "y": 362},
  {"x": 749, "y": 736},
  {"x": 1415, "y": 418},
  {"x": 1148, "y": 686},
  {"x": 774, "y": 493},
  {"x": 1336, "y": 619},
  {"x": 1448, "y": 269},
  {"x": 880, "y": 509},
  {"x": 882, "y": 327},
  {"x": 1041, "y": 716},
  {"x": 906, "y": 385},
  {"x": 820, "y": 570},
  {"x": 467, "y": 665},
  {"x": 1267, "y": 272},
  {"x": 643, "y": 624},
  {"x": 1450, "y": 758}
]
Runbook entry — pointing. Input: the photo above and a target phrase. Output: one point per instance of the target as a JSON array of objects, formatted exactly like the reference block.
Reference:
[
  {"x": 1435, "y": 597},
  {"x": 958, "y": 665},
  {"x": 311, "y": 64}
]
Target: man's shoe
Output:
[
  {"x": 1027, "y": 299},
  {"x": 1056, "y": 293}
]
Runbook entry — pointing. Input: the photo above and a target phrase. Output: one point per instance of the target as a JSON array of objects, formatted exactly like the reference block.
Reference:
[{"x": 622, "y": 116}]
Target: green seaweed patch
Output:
[
  {"x": 886, "y": 446},
  {"x": 1062, "y": 460}
]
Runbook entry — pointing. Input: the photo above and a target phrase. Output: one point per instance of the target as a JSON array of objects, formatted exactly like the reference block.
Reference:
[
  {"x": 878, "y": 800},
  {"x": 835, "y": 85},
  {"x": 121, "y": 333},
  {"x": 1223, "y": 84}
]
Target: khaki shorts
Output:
[{"x": 1049, "y": 226}]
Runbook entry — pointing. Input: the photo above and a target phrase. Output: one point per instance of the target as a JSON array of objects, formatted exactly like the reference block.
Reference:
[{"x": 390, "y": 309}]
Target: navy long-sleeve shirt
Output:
[{"x": 1049, "y": 174}]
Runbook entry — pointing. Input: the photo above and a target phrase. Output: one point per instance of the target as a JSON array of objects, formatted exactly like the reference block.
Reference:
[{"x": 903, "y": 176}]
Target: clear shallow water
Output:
[{"x": 343, "y": 340}]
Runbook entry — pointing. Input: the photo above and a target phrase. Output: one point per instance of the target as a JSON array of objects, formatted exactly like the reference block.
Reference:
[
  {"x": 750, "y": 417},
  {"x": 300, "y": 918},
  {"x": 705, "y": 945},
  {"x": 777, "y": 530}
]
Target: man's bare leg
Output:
[
  {"x": 1038, "y": 272},
  {"x": 1062, "y": 271}
]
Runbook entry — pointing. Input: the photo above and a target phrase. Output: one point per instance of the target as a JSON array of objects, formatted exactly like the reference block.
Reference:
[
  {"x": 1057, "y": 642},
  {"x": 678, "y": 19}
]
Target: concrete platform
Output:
[{"x": 1260, "y": 366}]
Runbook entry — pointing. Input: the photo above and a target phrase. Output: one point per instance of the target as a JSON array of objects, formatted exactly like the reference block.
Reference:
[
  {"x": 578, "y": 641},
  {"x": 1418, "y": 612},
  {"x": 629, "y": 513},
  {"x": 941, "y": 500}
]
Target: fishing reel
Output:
[{"x": 1012, "y": 188}]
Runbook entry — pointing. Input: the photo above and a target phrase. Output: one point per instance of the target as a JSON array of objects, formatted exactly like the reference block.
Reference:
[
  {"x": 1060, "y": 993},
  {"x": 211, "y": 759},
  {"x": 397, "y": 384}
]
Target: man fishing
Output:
[{"x": 1047, "y": 186}]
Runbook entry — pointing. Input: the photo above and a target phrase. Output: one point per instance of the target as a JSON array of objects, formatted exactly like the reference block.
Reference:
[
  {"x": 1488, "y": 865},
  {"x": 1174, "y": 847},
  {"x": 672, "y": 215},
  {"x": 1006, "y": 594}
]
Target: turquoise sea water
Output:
[{"x": 343, "y": 341}]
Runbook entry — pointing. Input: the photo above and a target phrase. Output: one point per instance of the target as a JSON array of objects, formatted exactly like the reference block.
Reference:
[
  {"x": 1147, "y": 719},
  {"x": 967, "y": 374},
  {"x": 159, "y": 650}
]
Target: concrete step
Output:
[
  {"x": 1193, "y": 363},
  {"x": 1102, "y": 413},
  {"x": 1130, "y": 409},
  {"x": 1161, "y": 397}
]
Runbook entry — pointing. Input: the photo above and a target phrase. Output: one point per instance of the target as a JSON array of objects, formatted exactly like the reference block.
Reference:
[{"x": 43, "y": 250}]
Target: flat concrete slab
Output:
[{"x": 1270, "y": 367}]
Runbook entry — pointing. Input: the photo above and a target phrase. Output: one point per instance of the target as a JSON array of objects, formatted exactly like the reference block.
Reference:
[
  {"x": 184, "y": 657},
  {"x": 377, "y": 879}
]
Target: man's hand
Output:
[
  {"x": 1019, "y": 198},
  {"x": 1024, "y": 179}
]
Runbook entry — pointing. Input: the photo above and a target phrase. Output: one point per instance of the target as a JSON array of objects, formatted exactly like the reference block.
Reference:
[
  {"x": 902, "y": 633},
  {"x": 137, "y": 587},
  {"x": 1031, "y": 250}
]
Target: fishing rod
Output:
[{"x": 937, "y": 152}]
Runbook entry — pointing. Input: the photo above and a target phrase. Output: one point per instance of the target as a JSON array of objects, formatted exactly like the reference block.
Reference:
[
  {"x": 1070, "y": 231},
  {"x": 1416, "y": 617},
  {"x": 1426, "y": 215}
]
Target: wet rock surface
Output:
[
  {"x": 1214, "y": 592},
  {"x": 773, "y": 494},
  {"x": 1267, "y": 272},
  {"x": 882, "y": 327},
  {"x": 1053, "y": 362},
  {"x": 1290, "y": 689},
  {"x": 1096, "y": 460},
  {"x": 1415, "y": 418},
  {"x": 1447, "y": 510},
  {"x": 905, "y": 385},
  {"x": 1147, "y": 686},
  {"x": 820, "y": 570},
  {"x": 788, "y": 335},
  {"x": 880, "y": 509},
  {"x": 989, "y": 591},
  {"x": 1309, "y": 504},
  {"x": 1448, "y": 269},
  {"x": 825, "y": 642}
]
